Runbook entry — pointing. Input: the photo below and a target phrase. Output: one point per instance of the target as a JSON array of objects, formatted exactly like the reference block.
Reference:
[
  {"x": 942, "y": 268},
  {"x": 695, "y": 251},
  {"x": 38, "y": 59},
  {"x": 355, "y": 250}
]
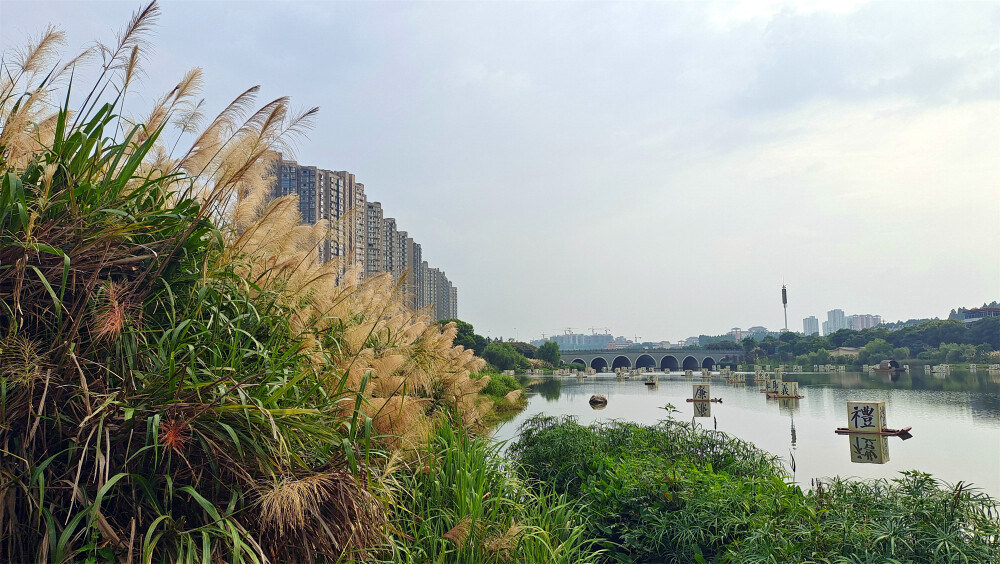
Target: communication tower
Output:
[{"x": 784, "y": 303}]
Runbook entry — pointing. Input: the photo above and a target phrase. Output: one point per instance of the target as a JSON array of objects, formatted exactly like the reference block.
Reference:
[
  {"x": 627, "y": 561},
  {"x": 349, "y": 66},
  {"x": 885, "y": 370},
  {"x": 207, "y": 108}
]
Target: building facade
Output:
[
  {"x": 359, "y": 235},
  {"x": 810, "y": 326},
  {"x": 835, "y": 321}
]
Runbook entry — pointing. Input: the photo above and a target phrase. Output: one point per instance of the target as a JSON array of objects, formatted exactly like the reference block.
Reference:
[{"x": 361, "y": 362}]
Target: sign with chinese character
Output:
[
  {"x": 700, "y": 392},
  {"x": 788, "y": 389},
  {"x": 869, "y": 449},
  {"x": 866, "y": 416},
  {"x": 702, "y": 409}
]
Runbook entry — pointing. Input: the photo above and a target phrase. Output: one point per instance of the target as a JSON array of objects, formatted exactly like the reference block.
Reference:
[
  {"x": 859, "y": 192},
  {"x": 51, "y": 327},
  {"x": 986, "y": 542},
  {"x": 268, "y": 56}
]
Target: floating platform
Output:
[
  {"x": 776, "y": 396},
  {"x": 713, "y": 400},
  {"x": 883, "y": 432},
  {"x": 650, "y": 383}
]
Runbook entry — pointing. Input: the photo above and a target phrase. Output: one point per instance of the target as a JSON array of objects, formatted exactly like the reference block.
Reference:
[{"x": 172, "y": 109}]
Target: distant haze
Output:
[{"x": 660, "y": 169}]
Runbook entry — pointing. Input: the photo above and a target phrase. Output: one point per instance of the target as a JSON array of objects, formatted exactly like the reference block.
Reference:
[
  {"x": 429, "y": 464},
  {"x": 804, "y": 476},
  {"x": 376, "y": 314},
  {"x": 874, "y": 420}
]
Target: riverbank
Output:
[
  {"x": 955, "y": 419},
  {"x": 672, "y": 492}
]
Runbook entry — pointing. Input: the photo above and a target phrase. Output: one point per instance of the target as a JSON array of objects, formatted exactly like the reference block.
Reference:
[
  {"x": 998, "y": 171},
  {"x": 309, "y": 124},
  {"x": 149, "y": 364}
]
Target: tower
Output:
[{"x": 784, "y": 303}]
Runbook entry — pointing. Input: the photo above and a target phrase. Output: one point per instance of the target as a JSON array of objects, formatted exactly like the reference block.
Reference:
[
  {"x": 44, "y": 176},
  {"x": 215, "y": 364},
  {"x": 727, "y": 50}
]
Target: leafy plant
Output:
[{"x": 675, "y": 493}]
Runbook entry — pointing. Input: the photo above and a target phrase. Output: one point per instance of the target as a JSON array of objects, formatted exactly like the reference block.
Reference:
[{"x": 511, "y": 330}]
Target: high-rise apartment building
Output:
[
  {"x": 374, "y": 258},
  {"x": 359, "y": 234},
  {"x": 321, "y": 198},
  {"x": 390, "y": 246},
  {"x": 431, "y": 280},
  {"x": 810, "y": 326},
  {"x": 835, "y": 321},
  {"x": 419, "y": 276},
  {"x": 863, "y": 321}
]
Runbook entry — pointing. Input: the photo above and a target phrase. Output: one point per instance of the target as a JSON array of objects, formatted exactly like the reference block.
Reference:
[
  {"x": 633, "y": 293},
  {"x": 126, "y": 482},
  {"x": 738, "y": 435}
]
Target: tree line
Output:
[
  {"x": 931, "y": 341},
  {"x": 504, "y": 355}
]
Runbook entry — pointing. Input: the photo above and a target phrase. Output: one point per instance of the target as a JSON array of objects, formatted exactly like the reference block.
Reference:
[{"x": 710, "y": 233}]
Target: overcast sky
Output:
[{"x": 656, "y": 168}]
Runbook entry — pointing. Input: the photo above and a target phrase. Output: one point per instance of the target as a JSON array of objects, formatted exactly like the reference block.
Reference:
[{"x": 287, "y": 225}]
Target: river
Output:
[{"x": 955, "y": 418}]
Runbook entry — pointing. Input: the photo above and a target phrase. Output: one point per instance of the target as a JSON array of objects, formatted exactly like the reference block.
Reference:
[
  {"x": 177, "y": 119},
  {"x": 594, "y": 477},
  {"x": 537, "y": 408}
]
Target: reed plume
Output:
[{"x": 172, "y": 341}]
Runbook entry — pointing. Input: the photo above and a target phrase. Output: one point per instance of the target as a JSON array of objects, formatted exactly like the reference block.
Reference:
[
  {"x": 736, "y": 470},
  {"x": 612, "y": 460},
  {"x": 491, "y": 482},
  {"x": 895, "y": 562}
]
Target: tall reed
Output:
[{"x": 177, "y": 381}]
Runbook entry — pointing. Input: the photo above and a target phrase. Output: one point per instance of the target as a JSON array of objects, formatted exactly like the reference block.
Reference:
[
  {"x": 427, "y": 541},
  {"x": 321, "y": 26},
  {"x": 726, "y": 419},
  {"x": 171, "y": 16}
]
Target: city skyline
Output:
[{"x": 657, "y": 167}]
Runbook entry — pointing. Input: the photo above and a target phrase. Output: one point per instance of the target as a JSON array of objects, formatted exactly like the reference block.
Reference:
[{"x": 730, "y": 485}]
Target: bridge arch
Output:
[
  {"x": 645, "y": 361},
  {"x": 690, "y": 363},
  {"x": 578, "y": 360},
  {"x": 708, "y": 362},
  {"x": 599, "y": 364},
  {"x": 621, "y": 362},
  {"x": 669, "y": 362}
]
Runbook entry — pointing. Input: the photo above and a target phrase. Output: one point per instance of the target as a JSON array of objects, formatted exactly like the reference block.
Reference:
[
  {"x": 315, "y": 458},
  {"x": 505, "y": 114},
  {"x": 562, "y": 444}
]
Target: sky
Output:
[{"x": 656, "y": 168}]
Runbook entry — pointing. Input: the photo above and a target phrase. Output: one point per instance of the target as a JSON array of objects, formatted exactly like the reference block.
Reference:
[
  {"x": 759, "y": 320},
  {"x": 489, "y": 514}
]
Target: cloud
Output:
[{"x": 931, "y": 53}]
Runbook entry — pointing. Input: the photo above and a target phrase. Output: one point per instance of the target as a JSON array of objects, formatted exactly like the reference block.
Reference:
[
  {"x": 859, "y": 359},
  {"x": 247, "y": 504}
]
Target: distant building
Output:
[
  {"x": 845, "y": 351},
  {"x": 810, "y": 326},
  {"x": 452, "y": 302},
  {"x": 757, "y": 331},
  {"x": 359, "y": 234},
  {"x": 863, "y": 321},
  {"x": 578, "y": 341},
  {"x": 619, "y": 343},
  {"x": 975, "y": 314},
  {"x": 374, "y": 258},
  {"x": 835, "y": 321},
  {"x": 736, "y": 333}
]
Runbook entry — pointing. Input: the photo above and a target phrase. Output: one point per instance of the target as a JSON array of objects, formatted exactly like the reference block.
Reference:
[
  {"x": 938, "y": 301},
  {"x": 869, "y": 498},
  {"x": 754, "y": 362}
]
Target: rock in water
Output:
[{"x": 598, "y": 399}]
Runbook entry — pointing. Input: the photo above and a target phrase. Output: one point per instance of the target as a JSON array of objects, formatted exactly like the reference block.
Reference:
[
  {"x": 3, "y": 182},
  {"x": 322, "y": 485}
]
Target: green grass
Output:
[{"x": 466, "y": 487}]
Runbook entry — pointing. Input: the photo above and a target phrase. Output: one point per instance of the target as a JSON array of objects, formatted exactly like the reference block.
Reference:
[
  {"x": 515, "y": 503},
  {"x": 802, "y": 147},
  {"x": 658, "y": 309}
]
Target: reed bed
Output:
[{"x": 181, "y": 379}]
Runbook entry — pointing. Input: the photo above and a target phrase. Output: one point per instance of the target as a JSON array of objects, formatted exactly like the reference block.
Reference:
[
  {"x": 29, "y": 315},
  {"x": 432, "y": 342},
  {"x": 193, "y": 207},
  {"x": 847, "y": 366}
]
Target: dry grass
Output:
[{"x": 324, "y": 513}]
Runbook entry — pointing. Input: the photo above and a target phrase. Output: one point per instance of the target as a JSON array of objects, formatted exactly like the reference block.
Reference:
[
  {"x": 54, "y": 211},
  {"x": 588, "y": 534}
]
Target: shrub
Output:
[{"x": 675, "y": 493}]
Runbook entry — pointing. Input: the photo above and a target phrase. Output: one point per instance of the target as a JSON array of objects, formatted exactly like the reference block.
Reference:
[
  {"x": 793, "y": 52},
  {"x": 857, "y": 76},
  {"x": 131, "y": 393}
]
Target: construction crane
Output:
[
  {"x": 607, "y": 330},
  {"x": 568, "y": 330}
]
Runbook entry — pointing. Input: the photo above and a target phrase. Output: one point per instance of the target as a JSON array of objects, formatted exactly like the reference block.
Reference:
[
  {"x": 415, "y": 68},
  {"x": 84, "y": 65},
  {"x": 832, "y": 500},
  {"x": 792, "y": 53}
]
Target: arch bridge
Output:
[{"x": 674, "y": 359}]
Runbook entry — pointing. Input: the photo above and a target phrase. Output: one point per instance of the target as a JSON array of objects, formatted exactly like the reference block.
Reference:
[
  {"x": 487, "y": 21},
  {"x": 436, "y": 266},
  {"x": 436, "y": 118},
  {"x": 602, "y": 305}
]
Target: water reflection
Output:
[
  {"x": 787, "y": 406},
  {"x": 868, "y": 449},
  {"x": 955, "y": 419},
  {"x": 548, "y": 388}
]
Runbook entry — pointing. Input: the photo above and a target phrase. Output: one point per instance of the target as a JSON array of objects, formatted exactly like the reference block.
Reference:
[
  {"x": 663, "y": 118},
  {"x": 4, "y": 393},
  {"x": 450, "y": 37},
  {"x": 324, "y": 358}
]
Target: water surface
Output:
[{"x": 955, "y": 418}]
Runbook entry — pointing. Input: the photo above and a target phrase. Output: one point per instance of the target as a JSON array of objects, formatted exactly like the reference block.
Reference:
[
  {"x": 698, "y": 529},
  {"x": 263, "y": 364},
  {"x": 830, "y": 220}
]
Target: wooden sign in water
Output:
[
  {"x": 869, "y": 449},
  {"x": 700, "y": 392},
  {"x": 702, "y": 409},
  {"x": 866, "y": 416},
  {"x": 788, "y": 389}
]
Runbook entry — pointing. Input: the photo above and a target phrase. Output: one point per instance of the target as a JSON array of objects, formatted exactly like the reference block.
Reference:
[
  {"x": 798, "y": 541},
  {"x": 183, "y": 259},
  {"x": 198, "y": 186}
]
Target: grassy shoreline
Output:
[{"x": 671, "y": 492}]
